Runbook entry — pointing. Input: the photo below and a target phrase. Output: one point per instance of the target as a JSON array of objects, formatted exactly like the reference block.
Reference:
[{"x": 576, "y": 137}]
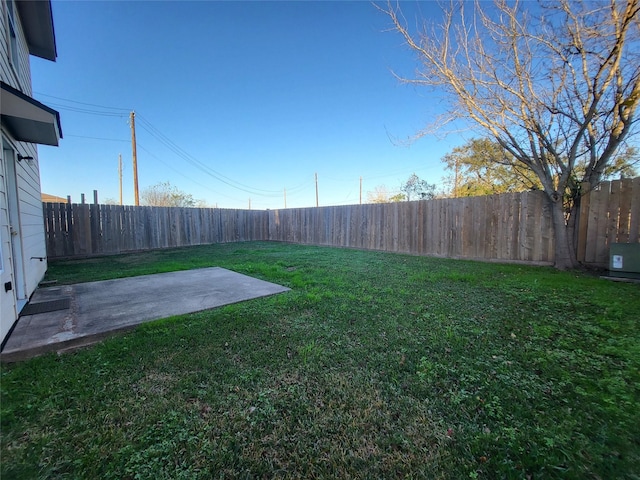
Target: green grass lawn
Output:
[{"x": 375, "y": 365}]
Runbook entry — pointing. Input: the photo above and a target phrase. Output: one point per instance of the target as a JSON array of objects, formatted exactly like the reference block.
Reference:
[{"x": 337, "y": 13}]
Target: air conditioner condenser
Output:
[{"x": 624, "y": 260}]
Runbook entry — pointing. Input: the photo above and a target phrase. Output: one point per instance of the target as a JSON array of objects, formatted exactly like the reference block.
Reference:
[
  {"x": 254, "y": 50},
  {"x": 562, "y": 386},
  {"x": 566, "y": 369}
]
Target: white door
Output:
[
  {"x": 8, "y": 312},
  {"x": 11, "y": 184}
]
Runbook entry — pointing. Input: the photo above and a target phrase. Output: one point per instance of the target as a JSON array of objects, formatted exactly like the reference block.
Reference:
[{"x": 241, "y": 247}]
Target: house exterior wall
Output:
[
  {"x": 24, "y": 178},
  {"x": 19, "y": 78},
  {"x": 31, "y": 223}
]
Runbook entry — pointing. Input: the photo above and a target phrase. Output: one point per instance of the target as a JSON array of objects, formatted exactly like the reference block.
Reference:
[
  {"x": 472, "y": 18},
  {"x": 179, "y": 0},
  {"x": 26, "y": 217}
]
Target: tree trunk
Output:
[{"x": 565, "y": 257}]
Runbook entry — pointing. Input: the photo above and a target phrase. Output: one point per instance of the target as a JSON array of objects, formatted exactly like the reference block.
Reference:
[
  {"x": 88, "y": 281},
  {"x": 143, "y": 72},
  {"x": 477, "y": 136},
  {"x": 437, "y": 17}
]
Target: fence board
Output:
[
  {"x": 591, "y": 234},
  {"x": 490, "y": 228},
  {"x": 634, "y": 217},
  {"x": 504, "y": 230},
  {"x": 442, "y": 242},
  {"x": 546, "y": 229},
  {"x": 534, "y": 229},
  {"x": 602, "y": 195},
  {"x": 626, "y": 191},
  {"x": 613, "y": 213},
  {"x": 482, "y": 215},
  {"x": 583, "y": 222},
  {"x": 82, "y": 234},
  {"x": 376, "y": 227}
]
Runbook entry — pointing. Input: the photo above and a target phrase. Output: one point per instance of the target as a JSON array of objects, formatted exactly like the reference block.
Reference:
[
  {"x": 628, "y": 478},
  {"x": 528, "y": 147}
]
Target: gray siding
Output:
[{"x": 27, "y": 180}]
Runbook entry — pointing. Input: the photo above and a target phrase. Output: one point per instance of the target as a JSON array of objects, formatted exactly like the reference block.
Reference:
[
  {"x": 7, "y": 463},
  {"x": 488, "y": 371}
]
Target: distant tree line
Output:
[{"x": 482, "y": 166}]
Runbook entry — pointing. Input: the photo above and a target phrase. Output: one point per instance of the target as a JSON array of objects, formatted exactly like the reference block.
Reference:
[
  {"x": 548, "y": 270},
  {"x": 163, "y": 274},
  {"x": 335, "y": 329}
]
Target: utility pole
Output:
[
  {"x": 249, "y": 204},
  {"x": 360, "y": 190},
  {"x": 317, "y": 189},
  {"x": 135, "y": 159},
  {"x": 120, "y": 174},
  {"x": 285, "y": 198}
]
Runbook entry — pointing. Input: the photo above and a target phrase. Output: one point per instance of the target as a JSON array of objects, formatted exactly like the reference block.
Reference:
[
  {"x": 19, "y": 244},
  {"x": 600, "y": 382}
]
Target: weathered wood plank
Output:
[
  {"x": 479, "y": 233},
  {"x": 95, "y": 234},
  {"x": 53, "y": 231},
  {"x": 583, "y": 222},
  {"x": 546, "y": 232},
  {"x": 613, "y": 212},
  {"x": 521, "y": 253},
  {"x": 634, "y": 217},
  {"x": 82, "y": 227},
  {"x": 600, "y": 251},
  {"x": 534, "y": 244}
]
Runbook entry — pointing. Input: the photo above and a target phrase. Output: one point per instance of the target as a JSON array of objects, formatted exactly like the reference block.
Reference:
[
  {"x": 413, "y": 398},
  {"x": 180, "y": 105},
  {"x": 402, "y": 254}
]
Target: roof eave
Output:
[
  {"x": 37, "y": 22},
  {"x": 28, "y": 120}
]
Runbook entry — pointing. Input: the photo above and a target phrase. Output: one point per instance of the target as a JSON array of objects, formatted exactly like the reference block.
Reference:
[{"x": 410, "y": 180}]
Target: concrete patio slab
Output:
[{"x": 99, "y": 309}]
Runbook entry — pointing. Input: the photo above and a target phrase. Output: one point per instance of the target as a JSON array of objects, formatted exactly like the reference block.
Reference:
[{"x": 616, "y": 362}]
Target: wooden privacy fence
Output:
[
  {"x": 608, "y": 214},
  {"x": 508, "y": 227},
  {"x": 87, "y": 230}
]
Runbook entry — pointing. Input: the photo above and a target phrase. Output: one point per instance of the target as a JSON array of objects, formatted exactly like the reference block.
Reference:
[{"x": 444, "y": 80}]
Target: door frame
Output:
[{"x": 9, "y": 154}]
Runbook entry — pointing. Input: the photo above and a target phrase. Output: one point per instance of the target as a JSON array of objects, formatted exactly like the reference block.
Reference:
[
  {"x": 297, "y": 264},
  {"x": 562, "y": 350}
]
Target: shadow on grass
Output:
[{"x": 375, "y": 366}]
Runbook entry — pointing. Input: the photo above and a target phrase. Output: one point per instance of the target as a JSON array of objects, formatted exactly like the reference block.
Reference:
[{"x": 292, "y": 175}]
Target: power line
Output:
[
  {"x": 162, "y": 138},
  {"x": 193, "y": 161},
  {"x": 176, "y": 170},
  {"x": 96, "y": 138},
  {"x": 86, "y": 111},
  {"x": 82, "y": 103},
  {"x": 167, "y": 142}
]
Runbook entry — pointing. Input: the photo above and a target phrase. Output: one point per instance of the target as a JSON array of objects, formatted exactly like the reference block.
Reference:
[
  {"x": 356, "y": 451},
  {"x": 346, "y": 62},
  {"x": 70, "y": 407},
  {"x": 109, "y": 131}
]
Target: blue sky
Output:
[{"x": 235, "y": 101}]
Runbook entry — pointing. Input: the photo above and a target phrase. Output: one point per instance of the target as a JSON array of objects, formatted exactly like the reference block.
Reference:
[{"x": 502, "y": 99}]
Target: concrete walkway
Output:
[{"x": 98, "y": 309}]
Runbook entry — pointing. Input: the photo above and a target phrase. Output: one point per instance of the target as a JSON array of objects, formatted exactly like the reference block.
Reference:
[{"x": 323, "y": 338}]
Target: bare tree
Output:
[
  {"x": 164, "y": 194},
  {"x": 381, "y": 194},
  {"x": 556, "y": 83}
]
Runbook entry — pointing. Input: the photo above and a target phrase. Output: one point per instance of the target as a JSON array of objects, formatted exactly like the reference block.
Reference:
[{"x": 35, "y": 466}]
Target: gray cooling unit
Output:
[{"x": 624, "y": 260}]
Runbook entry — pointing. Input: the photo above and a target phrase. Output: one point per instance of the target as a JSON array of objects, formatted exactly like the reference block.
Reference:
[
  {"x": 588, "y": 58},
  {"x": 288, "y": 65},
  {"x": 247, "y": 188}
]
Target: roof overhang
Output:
[
  {"x": 28, "y": 120},
  {"x": 37, "y": 23}
]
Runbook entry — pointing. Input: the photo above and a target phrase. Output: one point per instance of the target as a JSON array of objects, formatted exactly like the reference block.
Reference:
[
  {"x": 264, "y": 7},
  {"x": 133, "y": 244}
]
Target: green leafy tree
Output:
[
  {"x": 416, "y": 189},
  {"x": 398, "y": 197},
  {"x": 482, "y": 167},
  {"x": 164, "y": 194},
  {"x": 556, "y": 84},
  {"x": 623, "y": 165}
]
